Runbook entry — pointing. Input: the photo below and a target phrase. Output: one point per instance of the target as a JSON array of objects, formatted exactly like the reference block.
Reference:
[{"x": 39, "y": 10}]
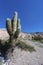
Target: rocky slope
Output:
[
  {"x": 4, "y": 34},
  {"x": 24, "y": 57}
]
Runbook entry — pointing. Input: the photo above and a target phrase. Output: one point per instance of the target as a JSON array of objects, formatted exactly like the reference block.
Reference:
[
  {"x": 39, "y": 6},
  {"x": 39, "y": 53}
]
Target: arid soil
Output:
[{"x": 21, "y": 57}]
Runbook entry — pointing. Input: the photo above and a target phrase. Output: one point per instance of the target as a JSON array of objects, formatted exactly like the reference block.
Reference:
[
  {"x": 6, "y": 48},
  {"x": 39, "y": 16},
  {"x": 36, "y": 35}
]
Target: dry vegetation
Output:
[
  {"x": 38, "y": 38},
  {"x": 25, "y": 46}
]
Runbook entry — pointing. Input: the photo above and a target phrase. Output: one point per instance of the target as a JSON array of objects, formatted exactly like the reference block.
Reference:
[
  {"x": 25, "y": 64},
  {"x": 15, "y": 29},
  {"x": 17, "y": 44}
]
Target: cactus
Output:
[{"x": 13, "y": 27}]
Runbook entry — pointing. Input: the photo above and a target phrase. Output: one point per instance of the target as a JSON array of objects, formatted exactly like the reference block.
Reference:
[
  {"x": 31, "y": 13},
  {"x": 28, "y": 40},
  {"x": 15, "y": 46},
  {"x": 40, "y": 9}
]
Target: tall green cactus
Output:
[{"x": 13, "y": 26}]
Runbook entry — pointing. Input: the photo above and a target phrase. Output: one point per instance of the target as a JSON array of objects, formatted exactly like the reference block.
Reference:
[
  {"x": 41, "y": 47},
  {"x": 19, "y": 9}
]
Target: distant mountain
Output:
[{"x": 4, "y": 34}]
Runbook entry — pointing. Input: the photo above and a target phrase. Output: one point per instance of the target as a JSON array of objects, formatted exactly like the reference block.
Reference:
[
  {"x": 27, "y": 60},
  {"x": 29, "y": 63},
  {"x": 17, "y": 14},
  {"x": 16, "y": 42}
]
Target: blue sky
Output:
[{"x": 30, "y": 13}]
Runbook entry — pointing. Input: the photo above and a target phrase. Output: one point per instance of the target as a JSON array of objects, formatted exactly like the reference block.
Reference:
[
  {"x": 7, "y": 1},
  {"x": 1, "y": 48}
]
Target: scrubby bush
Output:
[
  {"x": 25, "y": 46},
  {"x": 38, "y": 38}
]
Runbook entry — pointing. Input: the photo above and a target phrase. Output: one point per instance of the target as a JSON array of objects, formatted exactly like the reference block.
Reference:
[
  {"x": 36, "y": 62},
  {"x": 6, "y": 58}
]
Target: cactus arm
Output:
[
  {"x": 18, "y": 25},
  {"x": 18, "y": 29},
  {"x": 9, "y": 26},
  {"x": 14, "y": 22}
]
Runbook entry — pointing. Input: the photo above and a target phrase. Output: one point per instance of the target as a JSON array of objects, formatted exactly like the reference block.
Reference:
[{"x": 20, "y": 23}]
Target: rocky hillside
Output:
[
  {"x": 4, "y": 34},
  {"x": 21, "y": 57}
]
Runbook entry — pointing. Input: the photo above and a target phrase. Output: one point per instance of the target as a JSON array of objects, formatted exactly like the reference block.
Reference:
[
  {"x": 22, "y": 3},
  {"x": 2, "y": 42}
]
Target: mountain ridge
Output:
[{"x": 4, "y": 34}]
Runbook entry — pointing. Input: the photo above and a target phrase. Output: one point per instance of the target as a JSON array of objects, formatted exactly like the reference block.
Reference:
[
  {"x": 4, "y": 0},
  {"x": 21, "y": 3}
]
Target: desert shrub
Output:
[
  {"x": 38, "y": 37},
  {"x": 25, "y": 46},
  {"x": 41, "y": 64},
  {"x": 0, "y": 63},
  {"x": 41, "y": 41}
]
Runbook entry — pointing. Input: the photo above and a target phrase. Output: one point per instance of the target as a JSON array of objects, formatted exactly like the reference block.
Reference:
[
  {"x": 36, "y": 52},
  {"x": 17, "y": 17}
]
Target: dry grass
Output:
[
  {"x": 38, "y": 39},
  {"x": 25, "y": 46}
]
